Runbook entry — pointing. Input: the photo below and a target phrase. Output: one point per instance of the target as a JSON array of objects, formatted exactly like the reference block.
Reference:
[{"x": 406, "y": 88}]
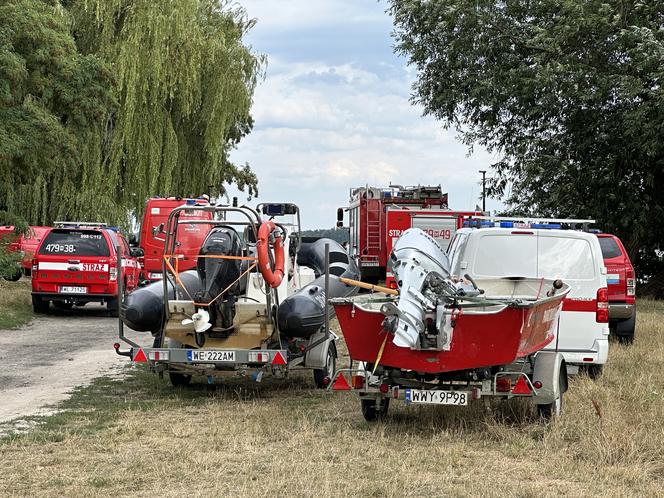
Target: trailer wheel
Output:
[
  {"x": 372, "y": 413},
  {"x": 40, "y": 305},
  {"x": 178, "y": 379},
  {"x": 550, "y": 410},
  {"x": 330, "y": 367}
]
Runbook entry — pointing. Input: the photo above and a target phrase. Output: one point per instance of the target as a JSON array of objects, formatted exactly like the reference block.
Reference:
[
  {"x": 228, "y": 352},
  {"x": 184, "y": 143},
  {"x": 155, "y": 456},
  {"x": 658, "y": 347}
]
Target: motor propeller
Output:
[{"x": 200, "y": 319}]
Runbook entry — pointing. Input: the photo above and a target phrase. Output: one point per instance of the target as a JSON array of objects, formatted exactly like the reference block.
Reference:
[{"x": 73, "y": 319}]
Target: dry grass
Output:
[
  {"x": 142, "y": 437},
  {"x": 15, "y": 303}
]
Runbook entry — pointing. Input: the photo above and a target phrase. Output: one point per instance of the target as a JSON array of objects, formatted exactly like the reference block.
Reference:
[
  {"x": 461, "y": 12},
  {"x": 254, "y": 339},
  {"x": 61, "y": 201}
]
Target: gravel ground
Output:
[{"x": 43, "y": 361}]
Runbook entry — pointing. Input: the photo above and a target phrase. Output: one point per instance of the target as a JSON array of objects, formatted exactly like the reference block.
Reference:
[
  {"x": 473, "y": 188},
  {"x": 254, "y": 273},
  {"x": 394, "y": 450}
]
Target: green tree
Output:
[
  {"x": 52, "y": 102},
  {"x": 568, "y": 93},
  {"x": 185, "y": 84}
]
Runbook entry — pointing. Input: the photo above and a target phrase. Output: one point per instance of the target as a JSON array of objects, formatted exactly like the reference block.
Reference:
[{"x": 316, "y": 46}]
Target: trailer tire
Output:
[
  {"x": 549, "y": 411},
  {"x": 320, "y": 374},
  {"x": 371, "y": 413},
  {"x": 178, "y": 379},
  {"x": 40, "y": 305}
]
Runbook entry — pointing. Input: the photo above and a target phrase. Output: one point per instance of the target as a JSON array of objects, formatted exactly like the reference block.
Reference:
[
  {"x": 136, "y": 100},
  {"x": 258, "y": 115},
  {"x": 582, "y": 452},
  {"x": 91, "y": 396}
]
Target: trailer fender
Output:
[
  {"x": 316, "y": 357},
  {"x": 549, "y": 369}
]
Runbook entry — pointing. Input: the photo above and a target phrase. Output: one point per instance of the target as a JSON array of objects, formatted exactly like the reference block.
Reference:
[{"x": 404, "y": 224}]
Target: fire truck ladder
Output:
[{"x": 373, "y": 244}]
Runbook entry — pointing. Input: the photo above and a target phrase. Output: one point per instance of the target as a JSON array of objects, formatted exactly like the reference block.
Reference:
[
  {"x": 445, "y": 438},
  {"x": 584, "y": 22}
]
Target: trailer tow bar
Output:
[{"x": 116, "y": 346}]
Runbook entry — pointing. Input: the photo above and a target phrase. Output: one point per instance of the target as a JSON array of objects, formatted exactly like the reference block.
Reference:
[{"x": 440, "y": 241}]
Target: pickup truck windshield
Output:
[{"x": 75, "y": 242}]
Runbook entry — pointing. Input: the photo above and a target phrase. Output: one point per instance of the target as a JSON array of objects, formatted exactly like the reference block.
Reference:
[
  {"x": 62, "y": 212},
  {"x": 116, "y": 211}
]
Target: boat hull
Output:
[{"x": 481, "y": 339}]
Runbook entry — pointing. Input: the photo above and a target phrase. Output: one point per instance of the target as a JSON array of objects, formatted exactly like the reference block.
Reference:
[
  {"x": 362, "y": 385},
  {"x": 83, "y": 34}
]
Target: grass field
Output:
[
  {"x": 15, "y": 303},
  {"x": 141, "y": 437}
]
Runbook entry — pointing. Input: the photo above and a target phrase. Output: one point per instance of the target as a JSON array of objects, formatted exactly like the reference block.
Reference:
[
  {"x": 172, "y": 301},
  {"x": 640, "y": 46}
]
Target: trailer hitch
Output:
[{"x": 116, "y": 346}]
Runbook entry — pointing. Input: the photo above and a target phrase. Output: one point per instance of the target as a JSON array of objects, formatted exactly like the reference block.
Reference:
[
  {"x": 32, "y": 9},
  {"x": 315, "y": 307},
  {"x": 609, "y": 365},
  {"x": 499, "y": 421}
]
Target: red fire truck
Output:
[{"x": 377, "y": 216}]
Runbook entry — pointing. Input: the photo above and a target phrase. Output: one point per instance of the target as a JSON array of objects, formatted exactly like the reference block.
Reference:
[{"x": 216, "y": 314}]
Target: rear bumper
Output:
[
  {"x": 88, "y": 298},
  {"x": 599, "y": 354},
  {"x": 620, "y": 311}
]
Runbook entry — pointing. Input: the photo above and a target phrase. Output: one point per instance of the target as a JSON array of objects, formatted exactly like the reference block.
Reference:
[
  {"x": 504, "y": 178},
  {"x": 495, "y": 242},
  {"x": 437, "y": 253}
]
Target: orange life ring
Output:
[{"x": 273, "y": 277}]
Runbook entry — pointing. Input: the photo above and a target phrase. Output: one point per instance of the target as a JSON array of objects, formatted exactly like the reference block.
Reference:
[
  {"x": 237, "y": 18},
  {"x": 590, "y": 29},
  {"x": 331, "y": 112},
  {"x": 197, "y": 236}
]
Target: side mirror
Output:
[
  {"x": 137, "y": 252},
  {"x": 157, "y": 230},
  {"x": 132, "y": 239}
]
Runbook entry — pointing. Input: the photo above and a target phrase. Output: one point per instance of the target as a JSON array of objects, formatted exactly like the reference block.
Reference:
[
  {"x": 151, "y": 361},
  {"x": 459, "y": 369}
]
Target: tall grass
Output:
[{"x": 281, "y": 438}]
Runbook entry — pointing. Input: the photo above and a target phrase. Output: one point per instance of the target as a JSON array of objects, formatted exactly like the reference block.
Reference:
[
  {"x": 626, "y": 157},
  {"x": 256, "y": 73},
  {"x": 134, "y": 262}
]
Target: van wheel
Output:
[
  {"x": 40, "y": 305},
  {"x": 625, "y": 329},
  {"x": 371, "y": 412},
  {"x": 330, "y": 367},
  {"x": 594, "y": 371}
]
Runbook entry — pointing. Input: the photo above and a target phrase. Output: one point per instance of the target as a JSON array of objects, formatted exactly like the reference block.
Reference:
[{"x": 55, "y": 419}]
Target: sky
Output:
[{"x": 333, "y": 112}]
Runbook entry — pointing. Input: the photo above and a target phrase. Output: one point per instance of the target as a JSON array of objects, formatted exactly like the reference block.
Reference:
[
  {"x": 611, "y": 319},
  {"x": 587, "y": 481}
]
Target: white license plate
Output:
[
  {"x": 73, "y": 290},
  {"x": 437, "y": 397},
  {"x": 210, "y": 356},
  {"x": 155, "y": 276}
]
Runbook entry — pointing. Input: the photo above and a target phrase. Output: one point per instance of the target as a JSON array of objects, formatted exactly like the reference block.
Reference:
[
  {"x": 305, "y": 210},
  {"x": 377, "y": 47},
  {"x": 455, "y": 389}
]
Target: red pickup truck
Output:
[{"x": 621, "y": 282}]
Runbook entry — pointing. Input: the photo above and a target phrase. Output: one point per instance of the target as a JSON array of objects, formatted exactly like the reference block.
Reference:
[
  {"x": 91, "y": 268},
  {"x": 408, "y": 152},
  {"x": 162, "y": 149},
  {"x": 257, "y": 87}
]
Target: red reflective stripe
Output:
[{"x": 580, "y": 305}]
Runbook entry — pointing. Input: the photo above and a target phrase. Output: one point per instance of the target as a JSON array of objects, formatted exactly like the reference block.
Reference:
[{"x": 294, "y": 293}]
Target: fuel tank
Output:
[
  {"x": 302, "y": 314},
  {"x": 143, "y": 309}
]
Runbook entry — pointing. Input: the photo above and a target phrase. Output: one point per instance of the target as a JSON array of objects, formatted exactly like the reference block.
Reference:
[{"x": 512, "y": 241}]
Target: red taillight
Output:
[
  {"x": 503, "y": 384},
  {"x": 112, "y": 273},
  {"x": 631, "y": 281},
  {"x": 35, "y": 265},
  {"x": 537, "y": 384},
  {"x": 384, "y": 388},
  {"x": 602, "y": 310},
  {"x": 357, "y": 381}
]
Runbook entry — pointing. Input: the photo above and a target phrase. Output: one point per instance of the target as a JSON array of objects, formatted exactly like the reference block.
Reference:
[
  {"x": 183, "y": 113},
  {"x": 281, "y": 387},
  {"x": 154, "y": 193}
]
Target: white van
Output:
[{"x": 570, "y": 255}]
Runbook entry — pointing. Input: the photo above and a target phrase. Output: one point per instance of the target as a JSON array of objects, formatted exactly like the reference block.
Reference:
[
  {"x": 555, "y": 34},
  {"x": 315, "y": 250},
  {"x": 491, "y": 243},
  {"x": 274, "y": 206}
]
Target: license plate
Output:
[
  {"x": 155, "y": 276},
  {"x": 210, "y": 356},
  {"x": 437, "y": 397},
  {"x": 73, "y": 290}
]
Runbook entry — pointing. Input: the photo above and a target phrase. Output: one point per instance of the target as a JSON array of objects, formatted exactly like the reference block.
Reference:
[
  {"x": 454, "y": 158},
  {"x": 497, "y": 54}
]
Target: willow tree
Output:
[
  {"x": 52, "y": 106},
  {"x": 184, "y": 85}
]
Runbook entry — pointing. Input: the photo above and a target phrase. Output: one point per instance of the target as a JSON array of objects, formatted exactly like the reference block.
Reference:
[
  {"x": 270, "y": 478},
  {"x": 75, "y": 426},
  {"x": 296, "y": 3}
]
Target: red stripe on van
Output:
[{"x": 589, "y": 305}]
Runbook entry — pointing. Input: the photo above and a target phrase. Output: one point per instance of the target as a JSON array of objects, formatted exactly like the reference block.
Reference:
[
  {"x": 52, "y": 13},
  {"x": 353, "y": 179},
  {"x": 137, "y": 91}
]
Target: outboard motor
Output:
[
  {"x": 220, "y": 274},
  {"x": 417, "y": 260}
]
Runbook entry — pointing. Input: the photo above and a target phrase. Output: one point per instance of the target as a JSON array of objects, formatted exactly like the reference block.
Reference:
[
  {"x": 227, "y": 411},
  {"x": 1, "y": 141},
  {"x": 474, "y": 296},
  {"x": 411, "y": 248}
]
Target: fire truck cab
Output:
[{"x": 377, "y": 216}]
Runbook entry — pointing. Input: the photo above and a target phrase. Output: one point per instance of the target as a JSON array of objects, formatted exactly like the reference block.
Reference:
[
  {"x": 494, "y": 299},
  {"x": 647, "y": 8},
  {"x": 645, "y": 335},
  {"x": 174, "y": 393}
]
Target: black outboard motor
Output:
[
  {"x": 143, "y": 309},
  {"x": 217, "y": 275},
  {"x": 303, "y": 313}
]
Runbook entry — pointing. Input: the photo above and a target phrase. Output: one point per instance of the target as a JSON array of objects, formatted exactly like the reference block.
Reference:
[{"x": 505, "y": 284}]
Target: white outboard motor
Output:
[{"x": 416, "y": 258}]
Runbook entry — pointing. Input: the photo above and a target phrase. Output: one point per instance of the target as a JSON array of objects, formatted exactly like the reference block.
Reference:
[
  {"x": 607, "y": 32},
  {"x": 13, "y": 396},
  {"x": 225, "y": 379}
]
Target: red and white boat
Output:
[{"x": 444, "y": 342}]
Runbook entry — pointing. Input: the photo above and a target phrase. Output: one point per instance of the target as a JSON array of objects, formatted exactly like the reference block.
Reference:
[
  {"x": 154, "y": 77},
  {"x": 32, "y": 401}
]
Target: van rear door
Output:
[
  {"x": 572, "y": 260},
  {"x": 74, "y": 262}
]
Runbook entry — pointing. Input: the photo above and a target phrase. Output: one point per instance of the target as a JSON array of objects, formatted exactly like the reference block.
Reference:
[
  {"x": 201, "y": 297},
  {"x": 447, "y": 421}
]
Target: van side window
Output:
[{"x": 565, "y": 258}]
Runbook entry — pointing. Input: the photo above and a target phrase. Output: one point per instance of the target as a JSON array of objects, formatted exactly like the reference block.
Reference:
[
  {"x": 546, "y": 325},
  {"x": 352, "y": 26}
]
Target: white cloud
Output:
[{"x": 327, "y": 119}]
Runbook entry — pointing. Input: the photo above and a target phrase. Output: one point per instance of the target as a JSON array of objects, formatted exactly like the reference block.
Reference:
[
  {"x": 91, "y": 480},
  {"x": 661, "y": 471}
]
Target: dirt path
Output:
[{"x": 43, "y": 361}]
